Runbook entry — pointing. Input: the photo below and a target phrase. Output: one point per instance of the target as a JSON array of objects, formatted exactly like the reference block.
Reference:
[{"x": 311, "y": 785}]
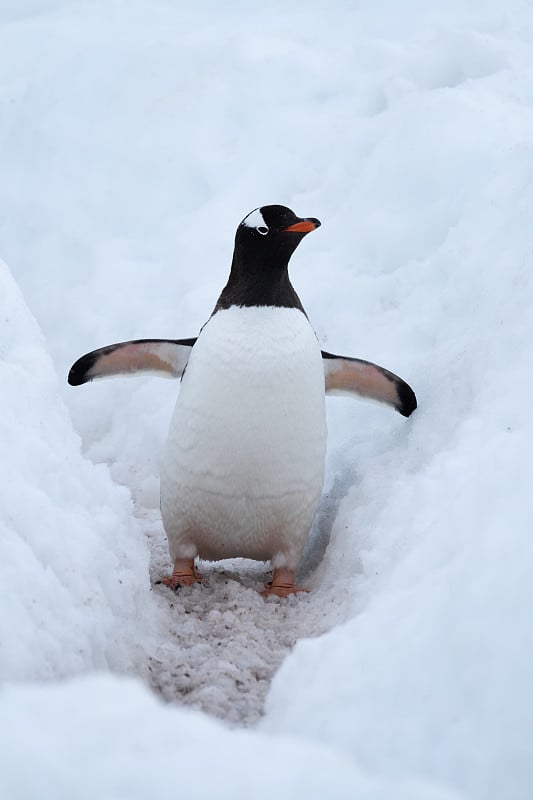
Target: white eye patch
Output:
[{"x": 255, "y": 220}]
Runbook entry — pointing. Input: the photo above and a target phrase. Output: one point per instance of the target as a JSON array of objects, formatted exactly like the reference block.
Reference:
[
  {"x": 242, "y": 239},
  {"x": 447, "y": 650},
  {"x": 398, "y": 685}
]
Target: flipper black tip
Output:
[
  {"x": 407, "y": 399},
  {"x": 79, "y": 371}
]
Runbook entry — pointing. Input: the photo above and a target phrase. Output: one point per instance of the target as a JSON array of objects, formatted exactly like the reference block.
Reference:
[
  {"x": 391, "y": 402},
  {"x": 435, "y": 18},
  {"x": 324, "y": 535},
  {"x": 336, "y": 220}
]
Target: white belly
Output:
[{"x": 244, "y": 462}]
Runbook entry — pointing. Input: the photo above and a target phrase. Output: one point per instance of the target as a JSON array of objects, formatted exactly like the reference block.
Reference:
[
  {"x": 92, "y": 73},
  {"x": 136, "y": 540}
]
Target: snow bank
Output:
[
  {"x": 101, "y": 737},
  {"x": 433, "y": 544},
  {"x": 73, "y": 565}
]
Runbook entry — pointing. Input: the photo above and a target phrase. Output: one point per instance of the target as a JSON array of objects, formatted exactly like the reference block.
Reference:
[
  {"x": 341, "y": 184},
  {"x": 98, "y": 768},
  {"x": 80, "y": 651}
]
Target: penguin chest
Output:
[{"x": 244, "y": 462}]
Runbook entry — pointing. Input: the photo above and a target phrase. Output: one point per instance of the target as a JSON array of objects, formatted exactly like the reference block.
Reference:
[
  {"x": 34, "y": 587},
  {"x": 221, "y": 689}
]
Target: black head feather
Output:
[{"x": 264, "y": 242}]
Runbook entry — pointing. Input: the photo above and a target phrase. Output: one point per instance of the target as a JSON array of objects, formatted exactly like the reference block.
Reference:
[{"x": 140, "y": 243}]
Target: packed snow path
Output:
[{"x": 223, "y": 642}]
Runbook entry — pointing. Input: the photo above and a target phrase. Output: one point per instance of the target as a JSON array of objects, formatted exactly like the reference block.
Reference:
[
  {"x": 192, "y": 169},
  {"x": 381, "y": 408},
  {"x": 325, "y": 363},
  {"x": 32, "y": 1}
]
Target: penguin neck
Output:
[{"x": 258, "y": 284}]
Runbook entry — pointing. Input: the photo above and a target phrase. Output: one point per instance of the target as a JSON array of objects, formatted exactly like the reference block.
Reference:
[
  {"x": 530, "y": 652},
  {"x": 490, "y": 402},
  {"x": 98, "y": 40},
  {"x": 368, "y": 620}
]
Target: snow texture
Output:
[
  {"x": 74, "y": 588},
  {"x": 156, "y": 750},
  {"x": 133, "y": 138}
]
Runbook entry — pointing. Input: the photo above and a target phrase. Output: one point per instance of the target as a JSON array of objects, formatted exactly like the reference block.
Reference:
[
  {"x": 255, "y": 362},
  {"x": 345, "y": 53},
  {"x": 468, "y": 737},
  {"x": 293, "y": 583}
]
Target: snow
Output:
[
  {"x": 158, "y": 750},
  {"x": 73, "y": 562},
  {"x": 133, "y": 138}
]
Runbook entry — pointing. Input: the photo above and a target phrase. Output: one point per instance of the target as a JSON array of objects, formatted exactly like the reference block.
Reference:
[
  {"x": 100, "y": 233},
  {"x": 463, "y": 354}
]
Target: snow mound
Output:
[
  {"x": 73, "y": 564},
  {"x": 433, "y": 544},
  {"x": 122, "y": 743}
]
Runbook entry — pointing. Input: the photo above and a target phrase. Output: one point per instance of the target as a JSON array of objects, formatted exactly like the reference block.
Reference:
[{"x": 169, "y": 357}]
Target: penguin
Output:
[{"x": 243, "y": 467}]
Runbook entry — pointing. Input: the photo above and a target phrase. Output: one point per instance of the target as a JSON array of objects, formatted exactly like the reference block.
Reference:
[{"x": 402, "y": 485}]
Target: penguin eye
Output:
[{"x": 262, "y": 229}]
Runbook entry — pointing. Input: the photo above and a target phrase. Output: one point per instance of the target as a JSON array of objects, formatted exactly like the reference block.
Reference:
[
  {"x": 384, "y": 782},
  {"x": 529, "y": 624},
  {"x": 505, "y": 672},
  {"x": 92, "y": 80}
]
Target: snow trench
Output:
[{"x": 223, "y": 642}]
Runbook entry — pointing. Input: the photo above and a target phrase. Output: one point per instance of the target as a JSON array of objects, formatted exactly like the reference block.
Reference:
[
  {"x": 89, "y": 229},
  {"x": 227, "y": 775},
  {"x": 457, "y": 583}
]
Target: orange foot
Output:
[
  {"x": 183, "y": 574},
  {"x": 282, "y": 584}
]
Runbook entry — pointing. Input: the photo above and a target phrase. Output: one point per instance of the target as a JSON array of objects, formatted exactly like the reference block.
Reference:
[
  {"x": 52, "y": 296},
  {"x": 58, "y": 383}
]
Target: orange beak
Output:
[{"x": 301, "y": 227}]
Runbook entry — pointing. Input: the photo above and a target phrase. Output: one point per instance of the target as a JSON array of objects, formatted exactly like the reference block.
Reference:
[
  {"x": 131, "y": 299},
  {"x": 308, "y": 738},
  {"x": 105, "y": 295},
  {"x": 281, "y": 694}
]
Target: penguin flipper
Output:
[
  {"x": 349, "y": 376},
  {"x": 165, "y": 357}
]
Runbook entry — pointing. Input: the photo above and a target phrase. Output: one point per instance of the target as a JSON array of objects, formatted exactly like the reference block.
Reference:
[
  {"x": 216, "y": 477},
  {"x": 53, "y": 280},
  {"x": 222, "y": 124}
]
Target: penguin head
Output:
[
  {"x": 268, "y": 236},
  {"x": 265, "y": 240}
]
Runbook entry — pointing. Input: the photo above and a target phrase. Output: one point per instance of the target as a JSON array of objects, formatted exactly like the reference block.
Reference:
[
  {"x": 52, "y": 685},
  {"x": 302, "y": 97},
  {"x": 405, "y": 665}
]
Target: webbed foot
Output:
[
  {"x": 282, "y": 584},
  {"x": 183, "y": 574}
]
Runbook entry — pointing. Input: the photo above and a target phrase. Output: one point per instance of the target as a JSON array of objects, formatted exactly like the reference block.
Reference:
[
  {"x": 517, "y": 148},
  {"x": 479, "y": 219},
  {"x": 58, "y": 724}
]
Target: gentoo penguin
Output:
[{"x": 243, "y": 466}]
